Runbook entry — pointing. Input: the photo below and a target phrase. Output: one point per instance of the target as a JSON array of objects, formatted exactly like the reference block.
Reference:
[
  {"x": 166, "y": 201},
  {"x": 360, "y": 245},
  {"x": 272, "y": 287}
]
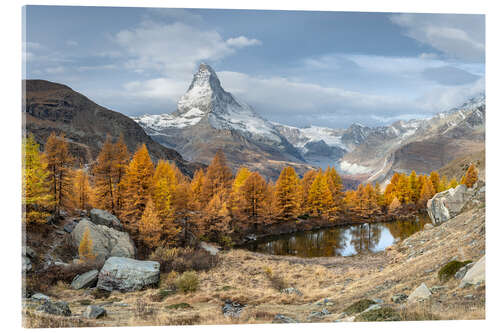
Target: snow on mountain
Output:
[
  {"x": 206, "y": 99},
  {"x": 300, "y": 137}
]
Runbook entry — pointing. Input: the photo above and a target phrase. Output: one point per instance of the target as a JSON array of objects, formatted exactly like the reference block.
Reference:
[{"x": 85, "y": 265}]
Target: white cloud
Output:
[
  {"x": 71, "y": 43},
  {"x": 166, "y": 89},
  {"x": 175, "y": 49},
  {"x": 243, "y": 41},
  {"x": 458, "y": 36},
  {"x": 54, "y": 70}
]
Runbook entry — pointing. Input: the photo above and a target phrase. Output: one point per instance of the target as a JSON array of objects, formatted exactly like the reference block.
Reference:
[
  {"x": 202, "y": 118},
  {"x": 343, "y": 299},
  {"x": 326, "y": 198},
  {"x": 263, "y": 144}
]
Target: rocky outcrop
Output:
[
  {"x": 448, "y": 204},
  {"x": 475, "y": 275},
  {"x": 85, "y": 280},
  {"x": 27, "y": 255},
  {"x": 106, "y": 242},
  {"x": 103, "y": 217},
  {"x": 125, "y": 274}
]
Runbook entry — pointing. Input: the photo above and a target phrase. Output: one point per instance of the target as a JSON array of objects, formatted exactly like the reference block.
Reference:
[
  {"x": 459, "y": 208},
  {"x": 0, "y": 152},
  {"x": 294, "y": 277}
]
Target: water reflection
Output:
[{"x": 339, "y": 241}]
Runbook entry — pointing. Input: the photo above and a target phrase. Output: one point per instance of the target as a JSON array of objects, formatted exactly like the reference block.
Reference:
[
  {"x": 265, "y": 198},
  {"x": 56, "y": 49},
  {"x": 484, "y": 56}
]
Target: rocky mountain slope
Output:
[
  {"x": 208, "y": 118},
  {"x": 52, "y": 107},
  {"x": 420, "y": 145}
]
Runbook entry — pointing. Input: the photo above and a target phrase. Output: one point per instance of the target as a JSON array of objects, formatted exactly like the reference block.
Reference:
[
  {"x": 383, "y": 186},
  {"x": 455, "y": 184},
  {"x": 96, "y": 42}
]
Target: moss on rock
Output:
[
  {"x": 382, "y": 314},
  {"x": 449, "y": 270},
  {"x": 359, "y": 306}
]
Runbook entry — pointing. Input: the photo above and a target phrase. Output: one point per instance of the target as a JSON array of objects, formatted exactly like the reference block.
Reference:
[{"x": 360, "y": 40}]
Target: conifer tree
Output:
[
  {"x": 104, "y": 177},
  {"x": 453, "y": 183},
  {"x": 305, "y": 184},
  {"x": 163, "y": 190},
  {"x": 380, "y": 195},
  {"x": 137, "y": 186},
  {"x": 435, "y": 180},
  {"x": 320, "y": 198},
  {"x": 121, "y": 157},
  {"x": 82, "y": 190},
  {"x": 59, "y": 162},
  {"x": 336, "y": 189},
  {"x": 470, "y": 177},
  {"x": 427, "y": 192},
  {"x": 150, "y": 226},
  {"x": 287, "y": 194},
  {"x": 413, "y": 187},
  {"x": 196, "y": 188},
  {"x": 85, "y": 249},
  {"x": 253, "y": 194},
  {"x": 37, "y": 197},
  {"x": 217, "y": 179}
]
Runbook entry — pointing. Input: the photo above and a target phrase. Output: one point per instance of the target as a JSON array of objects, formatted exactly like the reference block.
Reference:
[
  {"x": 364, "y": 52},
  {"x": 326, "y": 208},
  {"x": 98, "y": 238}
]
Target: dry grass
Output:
[{"x": 246, "y": 277}]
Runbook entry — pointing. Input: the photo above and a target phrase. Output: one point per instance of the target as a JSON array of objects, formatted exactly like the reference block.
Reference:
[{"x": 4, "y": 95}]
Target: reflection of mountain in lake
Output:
[{"x": 339, "y": 241}]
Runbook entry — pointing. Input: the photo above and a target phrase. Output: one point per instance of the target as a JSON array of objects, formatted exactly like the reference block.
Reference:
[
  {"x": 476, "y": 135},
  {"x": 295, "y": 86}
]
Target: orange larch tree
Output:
[{"x": 287, "y": 194}]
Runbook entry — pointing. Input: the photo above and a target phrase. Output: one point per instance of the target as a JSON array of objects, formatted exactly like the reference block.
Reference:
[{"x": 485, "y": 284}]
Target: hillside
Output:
[
  {"x": 52, "y": 107},
  {"x": 327, "y": 285}
]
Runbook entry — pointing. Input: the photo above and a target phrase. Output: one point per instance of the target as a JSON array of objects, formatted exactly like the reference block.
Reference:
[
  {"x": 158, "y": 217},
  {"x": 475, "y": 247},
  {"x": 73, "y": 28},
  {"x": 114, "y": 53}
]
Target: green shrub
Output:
[
  {"x": 359, "y": 306},
  {"x": 187, "y": 282},
  {"x": 179, "y": 306},
  {"x": 449, "y": 270},
  {"x": 382, "y": 314}
]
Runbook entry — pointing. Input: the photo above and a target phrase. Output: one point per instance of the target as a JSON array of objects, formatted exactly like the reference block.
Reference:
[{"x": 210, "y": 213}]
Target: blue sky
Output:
[{"x": 298, "y": 68}]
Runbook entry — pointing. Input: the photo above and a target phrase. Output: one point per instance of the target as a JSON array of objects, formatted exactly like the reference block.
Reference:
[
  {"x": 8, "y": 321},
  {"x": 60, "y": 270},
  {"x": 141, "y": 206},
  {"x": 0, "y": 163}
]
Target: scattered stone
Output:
[
  {"x": 59, "y": 308},
  {"x": 94, "y": 312},
  {"x": 103, "y": 217},
  {"x": 399, "y": 298},
  {"x": 435, "y": 289},
  {"x": 420, "y": 294},
  {"x": 26, "y": 265},
  {"x": 428, "y": 226},
  {"x": 40, "y": 297},
  {"x": 318, "y": 314},
  {"x": 232, "y": 309},
  {"x": 281, "y": 319},
  {"x": 29, "y": 252},
  {"x": 106, "y": 242},
  {"x": 251, "y": 237},
  {"x": 125, "y": 274},
  {"x": 459, "y": 275},
  {"x": 469, "y": 297},
  {"x": 475, "y": 275},
  {"x": 291, "y": 290},
  {"x": 378, "y": 300},
  {"x": 85, "y": 280},
  {"x": 68, "y": 227},
  {"x": 60, "y": 232},
  {"x": 212, "y": 249}
]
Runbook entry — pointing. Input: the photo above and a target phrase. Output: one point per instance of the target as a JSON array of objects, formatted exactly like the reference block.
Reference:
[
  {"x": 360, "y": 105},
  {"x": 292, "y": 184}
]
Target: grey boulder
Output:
[
  {"x": 85, "y": 280},
  {"x": 40, "y": 297},
  {"x": 103, "y": 217},
  {"x": 58, "y": 308},
  {"x": 106, "y": 242},
  {"x": 94, "y": 312},
  {"x": 475, "y": 275},
  {"x": 448, "y": 204},
  {"x": 420, "y": 294},
  {"x": 213, "y": 250},
  {"x": 26, "y": 266},
  {"x": 125, "y": 274}
]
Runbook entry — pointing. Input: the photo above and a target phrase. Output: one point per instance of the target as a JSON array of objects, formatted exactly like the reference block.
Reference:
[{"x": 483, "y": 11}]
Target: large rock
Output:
[
  {"x": 448, "y": 204},
  {"x": 475, "y": 275},
  {"x": 125, "y": 274},
  {"x": 26, "y": 266},
  {"x": 106, "y": 242},
  {"x": 85, "y": 280},
  {"x": 59, "y": 308},
  {"x": 212, "y": 249},
  {"x": 94, "y": 312},
  {"x": 103, "y": 217},
  {"x": 420, "y": 294}
]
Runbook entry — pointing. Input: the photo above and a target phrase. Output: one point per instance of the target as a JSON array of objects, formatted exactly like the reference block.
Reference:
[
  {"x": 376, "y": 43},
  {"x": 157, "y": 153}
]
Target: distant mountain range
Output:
[{"x": 209, "y": 118}]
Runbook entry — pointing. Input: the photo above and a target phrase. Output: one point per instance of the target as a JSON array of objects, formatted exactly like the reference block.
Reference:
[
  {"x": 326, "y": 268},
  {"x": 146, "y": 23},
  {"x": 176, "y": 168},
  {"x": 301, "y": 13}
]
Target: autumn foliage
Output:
[{"x": 161, "y": 207}]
